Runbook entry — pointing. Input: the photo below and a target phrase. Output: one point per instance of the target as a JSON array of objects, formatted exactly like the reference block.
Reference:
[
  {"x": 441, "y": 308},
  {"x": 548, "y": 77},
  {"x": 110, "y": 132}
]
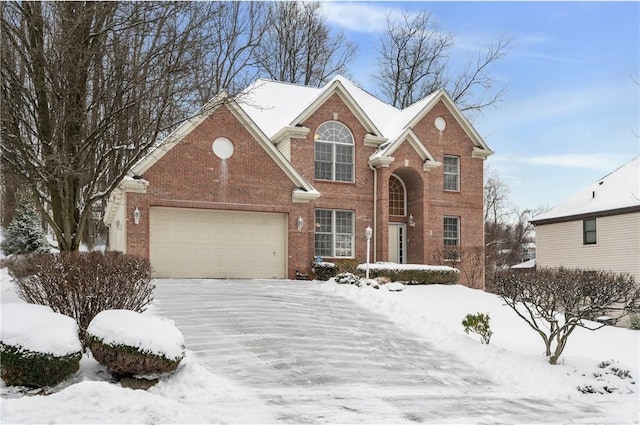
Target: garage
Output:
[{"x": 197, "y": 243}]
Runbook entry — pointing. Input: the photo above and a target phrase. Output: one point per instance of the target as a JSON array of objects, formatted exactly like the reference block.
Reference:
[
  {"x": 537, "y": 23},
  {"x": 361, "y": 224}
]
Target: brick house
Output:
[{"x": 261, "y": 184}]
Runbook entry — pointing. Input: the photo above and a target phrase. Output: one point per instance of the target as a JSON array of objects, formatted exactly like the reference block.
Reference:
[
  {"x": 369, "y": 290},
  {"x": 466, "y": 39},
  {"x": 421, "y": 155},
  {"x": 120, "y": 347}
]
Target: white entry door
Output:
[{"x": 397, "y": 243}]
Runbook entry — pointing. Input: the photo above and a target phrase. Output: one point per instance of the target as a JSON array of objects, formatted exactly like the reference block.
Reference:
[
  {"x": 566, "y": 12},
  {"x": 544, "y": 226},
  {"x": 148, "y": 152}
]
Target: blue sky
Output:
[{"x": 571, "y": 112}]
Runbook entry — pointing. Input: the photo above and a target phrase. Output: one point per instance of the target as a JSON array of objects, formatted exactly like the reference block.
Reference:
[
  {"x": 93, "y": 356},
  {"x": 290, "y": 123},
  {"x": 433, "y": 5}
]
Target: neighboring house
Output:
[
  {"x": 528, "y": 251},
  {"x": 598, "y": 227},
  {"x": 259, "y": 186}
]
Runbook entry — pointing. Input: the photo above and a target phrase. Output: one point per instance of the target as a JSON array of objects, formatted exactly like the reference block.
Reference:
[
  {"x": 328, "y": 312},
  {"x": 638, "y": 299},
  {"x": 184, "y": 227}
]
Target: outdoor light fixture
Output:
[
  {"x": 300, "y": 223},
  {"x": 136, "y": 216},
  {"x": 368, "y": 233},
  {"x": 412, "y": 221}
]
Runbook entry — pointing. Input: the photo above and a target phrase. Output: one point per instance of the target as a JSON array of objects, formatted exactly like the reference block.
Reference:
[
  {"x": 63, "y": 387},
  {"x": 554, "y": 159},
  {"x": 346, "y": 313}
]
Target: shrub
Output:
[
  {"x": 479, "y": 324},
  {"x": 81, "y": 285},
  {"x": 33, "y": 369},
  {"x": 553, "y": 302},
  {"x": 634, "y": 322},
  {"x": 130, "y": 344},
  {"x": 347, "y": 265},
  {"x": 38, "y": 347},
  {"x": 324, "y": 270},
  {"x": 125, "y": 361},
  {"x": 347, "y": 279},
  {"x": 411, "y": 274}
]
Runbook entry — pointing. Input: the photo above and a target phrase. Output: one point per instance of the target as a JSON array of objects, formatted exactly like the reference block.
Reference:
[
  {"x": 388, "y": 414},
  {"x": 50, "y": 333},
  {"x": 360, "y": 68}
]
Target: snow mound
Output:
[
  {"x": 148, "y": 334},
  {"x": 38, "y": 328},
  {"x": 394, "y": 286}
]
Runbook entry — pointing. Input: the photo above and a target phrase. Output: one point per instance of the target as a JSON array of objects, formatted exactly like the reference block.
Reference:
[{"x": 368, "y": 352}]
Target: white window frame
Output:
[
  {"x": 446, "y": 173},
  {"x": 444, "y": 231},
  {"x": 335, "y": 236},
  {"x": 585, "y": 231},
  {"x": 404, "y": 189},
  {"x": 334, "y": 134}
]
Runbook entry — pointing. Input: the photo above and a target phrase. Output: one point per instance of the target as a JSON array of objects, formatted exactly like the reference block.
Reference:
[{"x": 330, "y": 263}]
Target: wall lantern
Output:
[
  {"x": 300, "y": 223},
  {"x": 136, "y": 216},
  {"x": 412, "y": 221}
]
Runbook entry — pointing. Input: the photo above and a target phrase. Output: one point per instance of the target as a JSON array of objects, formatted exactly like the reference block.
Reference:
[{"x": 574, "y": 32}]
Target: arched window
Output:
[
  {"x": 397, "y": 196},
  {"x": 333, "y": 152}
]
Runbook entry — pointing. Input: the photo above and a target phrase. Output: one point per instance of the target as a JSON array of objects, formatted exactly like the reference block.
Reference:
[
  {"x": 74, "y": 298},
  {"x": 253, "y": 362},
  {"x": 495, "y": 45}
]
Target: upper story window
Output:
[
  {"x": 333, "y": 152},
  {"x": 589, "y": 234},
  {"x": 397, "y": 196},
  {"x": 451, "y": 167}
]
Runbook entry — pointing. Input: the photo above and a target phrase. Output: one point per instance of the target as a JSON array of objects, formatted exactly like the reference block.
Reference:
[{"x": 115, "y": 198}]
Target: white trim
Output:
[
  {"x": 336, "y": 87},
  {"x": 457, "y": 115},
  {"x": 429, "y": 162},
  {"x": 287, "y": 133},
  {"x": 404, "y": 187},
  {"x": 374, "y": 141}
]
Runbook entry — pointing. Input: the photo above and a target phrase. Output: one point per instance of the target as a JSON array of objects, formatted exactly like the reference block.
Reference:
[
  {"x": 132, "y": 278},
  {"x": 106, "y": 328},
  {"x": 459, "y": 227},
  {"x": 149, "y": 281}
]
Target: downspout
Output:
[{"x": 375, "y": 211}]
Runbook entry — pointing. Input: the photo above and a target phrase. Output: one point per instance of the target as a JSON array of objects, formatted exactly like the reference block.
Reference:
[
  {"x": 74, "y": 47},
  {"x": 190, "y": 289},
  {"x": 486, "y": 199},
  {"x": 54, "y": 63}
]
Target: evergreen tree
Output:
[{"x": 24, "y": 235}]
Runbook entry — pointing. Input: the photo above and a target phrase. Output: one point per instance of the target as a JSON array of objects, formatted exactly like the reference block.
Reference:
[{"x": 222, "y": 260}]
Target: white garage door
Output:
[{"x": 192, "y": 243}]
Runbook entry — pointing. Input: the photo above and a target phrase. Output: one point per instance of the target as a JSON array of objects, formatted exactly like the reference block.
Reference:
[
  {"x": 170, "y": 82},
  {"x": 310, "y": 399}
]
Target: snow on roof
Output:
[
  {"x": 616, "y": 190},
  {"x": 273, "y": 105}
]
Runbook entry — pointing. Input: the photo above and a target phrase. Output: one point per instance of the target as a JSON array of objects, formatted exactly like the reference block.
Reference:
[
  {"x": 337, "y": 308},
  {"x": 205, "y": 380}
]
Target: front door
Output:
[{"x": 397, "y": 243}]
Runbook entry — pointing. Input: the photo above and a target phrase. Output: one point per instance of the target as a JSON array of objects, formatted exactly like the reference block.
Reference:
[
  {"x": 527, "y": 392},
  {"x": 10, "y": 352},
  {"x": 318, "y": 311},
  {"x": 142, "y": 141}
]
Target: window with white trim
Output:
[
  {"x": 334, "y": 233},
  {"x": 451, "y": 169},
  {"x": 451, "y": 231},
  {"x": 333, "y": 152},
  {"x": 589, "y": 232},
  {"x": 397, "y": 196}
]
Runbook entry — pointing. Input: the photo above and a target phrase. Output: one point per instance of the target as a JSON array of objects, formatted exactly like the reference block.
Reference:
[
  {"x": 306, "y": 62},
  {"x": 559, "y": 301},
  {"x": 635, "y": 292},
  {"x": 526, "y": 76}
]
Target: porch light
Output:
[
  {"x": 300, "y": 223},
  {"x": 412, "y": 221},
  {"x": 136, "y": 216},
  {"x": 368, "y": 233}
]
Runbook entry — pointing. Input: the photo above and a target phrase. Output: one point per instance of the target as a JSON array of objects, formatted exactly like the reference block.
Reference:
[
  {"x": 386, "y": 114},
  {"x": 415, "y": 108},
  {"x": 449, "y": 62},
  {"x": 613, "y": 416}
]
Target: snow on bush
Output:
[
  {"x": 130, "y": 344},
  {"x": 39, "y": 347},
  {"x": 38, "y": 328},
  {"x": 411, "y": 273}
]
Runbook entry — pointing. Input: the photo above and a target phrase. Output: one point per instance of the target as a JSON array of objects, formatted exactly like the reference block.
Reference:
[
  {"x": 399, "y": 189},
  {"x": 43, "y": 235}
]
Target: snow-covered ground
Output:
[{"x": 513, "y": 360}]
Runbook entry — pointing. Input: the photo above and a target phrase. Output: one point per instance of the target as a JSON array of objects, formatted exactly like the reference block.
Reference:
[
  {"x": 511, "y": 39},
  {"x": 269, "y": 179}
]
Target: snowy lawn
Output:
[{"x": 514, "y": 359}]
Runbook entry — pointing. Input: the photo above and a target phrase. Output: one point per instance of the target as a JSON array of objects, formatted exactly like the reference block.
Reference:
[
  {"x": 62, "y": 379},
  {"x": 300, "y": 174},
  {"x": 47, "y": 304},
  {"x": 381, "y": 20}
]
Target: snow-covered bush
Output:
[
  {"x": 609, "y": 378},
  {"x": 346, "y": 279},
  {"x": 634, "y": 321},
  {"x": 38, "y": 347},
  {"x": 24, "y": 234},
  {"x": 413, "y": 274},
  {"x": 81, "y": 285},
  {"x": 478, "y": 324},
  {"x": 324, "y": 270},
  {"x": 131, "y": 344}
]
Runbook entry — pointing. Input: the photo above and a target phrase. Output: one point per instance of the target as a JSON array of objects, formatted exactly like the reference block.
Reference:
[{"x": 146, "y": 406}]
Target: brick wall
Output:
[{"x": 191, "y": 176}]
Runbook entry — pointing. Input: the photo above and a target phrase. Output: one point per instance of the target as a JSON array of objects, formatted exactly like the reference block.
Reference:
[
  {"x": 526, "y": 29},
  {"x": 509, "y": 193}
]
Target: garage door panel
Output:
[{"x": 217, "y": 244}]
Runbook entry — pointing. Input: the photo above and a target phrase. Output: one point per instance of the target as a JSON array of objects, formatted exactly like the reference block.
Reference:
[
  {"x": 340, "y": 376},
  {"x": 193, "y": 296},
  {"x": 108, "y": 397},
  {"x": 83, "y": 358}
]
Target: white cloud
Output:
[
  {"x": 359, "y": 16},
  {"x": 602, "y": 162}
]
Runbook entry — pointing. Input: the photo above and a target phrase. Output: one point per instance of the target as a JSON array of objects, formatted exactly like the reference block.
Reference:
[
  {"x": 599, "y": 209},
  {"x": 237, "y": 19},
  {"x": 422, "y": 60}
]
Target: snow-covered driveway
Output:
[{"x": 315, "y": 357}]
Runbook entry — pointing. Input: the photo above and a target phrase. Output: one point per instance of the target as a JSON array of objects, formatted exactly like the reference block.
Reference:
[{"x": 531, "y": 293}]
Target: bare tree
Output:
[
  {"x": 413, "y": 62},
  {"x": 554, "y": 302},
  {"x": 87, "y": 89},
  {"x": 298, "y": 46},
  {"x": 227, "y": 56}
]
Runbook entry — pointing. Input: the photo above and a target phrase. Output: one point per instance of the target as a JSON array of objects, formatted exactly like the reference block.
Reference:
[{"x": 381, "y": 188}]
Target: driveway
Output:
[{"x": 315, "y": 357}]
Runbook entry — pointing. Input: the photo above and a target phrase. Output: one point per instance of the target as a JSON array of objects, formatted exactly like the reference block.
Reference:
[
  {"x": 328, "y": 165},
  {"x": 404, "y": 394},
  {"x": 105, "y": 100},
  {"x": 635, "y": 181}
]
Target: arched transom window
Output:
[
  {"x": 397, "y": 196},
  {"x": 333, "y": 152}
]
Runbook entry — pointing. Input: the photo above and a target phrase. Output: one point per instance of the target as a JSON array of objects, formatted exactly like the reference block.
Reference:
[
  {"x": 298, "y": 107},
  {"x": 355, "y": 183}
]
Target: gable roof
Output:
[
  {"x": 304, "y": 190},
  {"x": 273, "y": 105},
  {"x": 615, "y": 193}
]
